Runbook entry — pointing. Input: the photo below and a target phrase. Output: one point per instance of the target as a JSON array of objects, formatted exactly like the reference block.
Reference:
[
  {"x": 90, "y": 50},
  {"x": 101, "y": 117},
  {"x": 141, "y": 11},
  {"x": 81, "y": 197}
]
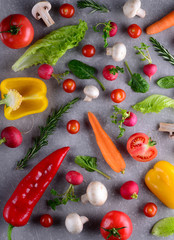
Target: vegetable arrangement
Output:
[{"x": 25, "y": 95}]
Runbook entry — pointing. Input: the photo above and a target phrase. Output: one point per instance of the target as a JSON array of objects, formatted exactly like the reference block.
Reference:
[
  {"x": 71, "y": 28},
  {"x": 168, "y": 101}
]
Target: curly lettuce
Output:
[
  {"x": 154, "y": 103},
  {"x": 52, "y": 47}
]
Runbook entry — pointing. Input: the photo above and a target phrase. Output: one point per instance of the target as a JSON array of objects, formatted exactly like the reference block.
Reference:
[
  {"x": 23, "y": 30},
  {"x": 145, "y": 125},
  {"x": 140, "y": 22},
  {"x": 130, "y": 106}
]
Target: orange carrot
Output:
[
  {"x": 108, "y": 149},
  {"x": 162, "y": 24}
]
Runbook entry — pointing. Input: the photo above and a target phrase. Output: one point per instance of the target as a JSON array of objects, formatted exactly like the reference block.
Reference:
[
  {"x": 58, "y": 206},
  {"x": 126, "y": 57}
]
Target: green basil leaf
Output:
[
  {"x": 89, "y": 163},
  {"x": 166, "y": 82},
  {"x": 138, "y": 83},
  {"x": 163, "y": 227}
]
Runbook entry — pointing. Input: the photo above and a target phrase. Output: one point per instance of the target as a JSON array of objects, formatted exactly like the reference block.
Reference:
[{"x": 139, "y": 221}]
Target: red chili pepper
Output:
[{"x": 19, "y": 207}]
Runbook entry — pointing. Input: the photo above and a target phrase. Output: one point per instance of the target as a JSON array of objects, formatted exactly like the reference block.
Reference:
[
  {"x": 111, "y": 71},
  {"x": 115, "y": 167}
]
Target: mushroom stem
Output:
[
  {"x": 84, "y": 219},
  {"x": 141, "y": 13},
  {"x": 109, "y": 51},
  {"x": 84, "y": 198},
  {"x": 87, "y": 99},
  {"x": 46, "y": 17}
]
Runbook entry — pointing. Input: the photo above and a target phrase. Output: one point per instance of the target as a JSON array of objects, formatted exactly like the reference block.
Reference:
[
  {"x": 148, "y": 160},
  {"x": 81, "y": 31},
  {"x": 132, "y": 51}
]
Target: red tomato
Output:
[
  {"x": 88, "y": 50},
  {"x": 118, "y": 95},
  {"x": 66, "y": 10},
  {"x": 69, "y": 85},
  {"x": 150, "y": 209},
  {"x": 19, "y": 33},
  {"x": 141, "y": 147},
  {"x": 113, "y": 221},
  {"x": 134, "y": 31},
  {"x": 73, "y": 126},
  {"x": 46, "y": 220}
]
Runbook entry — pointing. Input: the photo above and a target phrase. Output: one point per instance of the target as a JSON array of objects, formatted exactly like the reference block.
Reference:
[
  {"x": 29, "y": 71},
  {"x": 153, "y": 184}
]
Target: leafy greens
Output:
[
  {"x": 52, "y": 47},
  {"x": 166, "y": 82},
  {"x": 154, "y": 103}
]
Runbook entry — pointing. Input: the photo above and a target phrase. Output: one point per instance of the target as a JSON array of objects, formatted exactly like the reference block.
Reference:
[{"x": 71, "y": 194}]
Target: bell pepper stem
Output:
[
  {"x": 3, "y": 140},
  {"x": 3, "y": 101},
  {"x": 10, "y": 228}
]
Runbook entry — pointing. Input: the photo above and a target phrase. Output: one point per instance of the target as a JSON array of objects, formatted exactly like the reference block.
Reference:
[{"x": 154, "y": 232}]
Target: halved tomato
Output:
[{"x": 141, "y": 147}]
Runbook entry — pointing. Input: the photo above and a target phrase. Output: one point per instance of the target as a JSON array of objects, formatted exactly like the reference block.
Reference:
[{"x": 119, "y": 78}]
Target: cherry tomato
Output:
[
  {"x": 16, "y": 31},
  {"x": 150, "y": 209},
  {"x": 88, "y": 50},
  {"x": 115, "y": 220},
  {"x": 141, "y": 147},
  {"x": 118, "y": 95},
  {"x": 66, "y": 10},
  {"x": 46, "y": 220},
  {"x": 69, "y": 85},
  {"x": 73, "y": 126},
  {"x": 134, "y": 31}
]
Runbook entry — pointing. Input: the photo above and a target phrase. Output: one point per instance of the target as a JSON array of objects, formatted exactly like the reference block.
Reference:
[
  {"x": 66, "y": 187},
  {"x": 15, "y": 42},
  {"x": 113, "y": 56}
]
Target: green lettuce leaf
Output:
[
  {"x": 154, "y": 103},
  {"x": 52, "y": 47}
]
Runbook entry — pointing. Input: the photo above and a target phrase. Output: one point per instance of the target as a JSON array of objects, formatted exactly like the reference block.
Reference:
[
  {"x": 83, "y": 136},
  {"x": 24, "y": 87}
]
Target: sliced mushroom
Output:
[
  {"x": 132, "y": 8},
  {"x": 40, "y": 10},
  {"x": 167, "y": 127}
]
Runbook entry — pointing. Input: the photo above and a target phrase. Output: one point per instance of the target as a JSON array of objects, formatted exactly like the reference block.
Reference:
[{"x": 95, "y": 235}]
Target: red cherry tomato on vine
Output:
[
  {"x": 119, "y": 225},
  {"x": 150, "y": 209},
  {"x": 66, "y": 10},
  {"x": 73, "y": 126},
  {"x": 134, "y": 31},
  {"x": 69, "y": 85},
  {"x": 88, "y": 50},
  {"x": 141, "y": 147},
  {"x": 46, "y": 220},
  {"x": 16, "y": 31},
  {"x": 118, "y": 95}
]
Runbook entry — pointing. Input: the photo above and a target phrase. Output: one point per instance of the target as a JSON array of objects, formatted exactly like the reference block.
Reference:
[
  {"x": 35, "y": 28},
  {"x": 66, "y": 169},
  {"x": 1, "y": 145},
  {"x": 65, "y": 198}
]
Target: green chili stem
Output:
[{"x": 10, "y": 228}]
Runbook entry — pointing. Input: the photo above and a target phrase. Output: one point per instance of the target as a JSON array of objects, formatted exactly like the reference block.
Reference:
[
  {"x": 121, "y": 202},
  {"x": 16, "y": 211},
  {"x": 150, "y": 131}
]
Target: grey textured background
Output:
[{"x": 84, "y": 142}]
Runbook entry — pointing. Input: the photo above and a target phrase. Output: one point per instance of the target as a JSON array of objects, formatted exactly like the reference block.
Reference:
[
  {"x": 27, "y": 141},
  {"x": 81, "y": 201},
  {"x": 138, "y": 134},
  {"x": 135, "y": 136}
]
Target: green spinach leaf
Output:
[
  {"x": 166, "y": 82},
  {"x": 90, "y": 164},
  {"x": 83, "y": 71}
]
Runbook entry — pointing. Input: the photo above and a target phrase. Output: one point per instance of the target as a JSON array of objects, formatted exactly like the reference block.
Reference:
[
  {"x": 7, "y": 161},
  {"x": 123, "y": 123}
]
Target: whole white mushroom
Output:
[
  {"x": 74, "y": 223},
  {"x": 118, "y": 51},
  {"x": 132, "y": 8},
  {"x": 91, "y": 92},
  {"x": 96, "y": 194}
]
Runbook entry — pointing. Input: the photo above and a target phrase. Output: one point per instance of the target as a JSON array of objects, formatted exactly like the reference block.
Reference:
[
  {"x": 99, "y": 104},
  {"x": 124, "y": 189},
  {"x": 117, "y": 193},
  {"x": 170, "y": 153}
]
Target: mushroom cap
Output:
[
  {"x": 74, "y": 223},
  {"x": 131, "y": 7},
  {"x": 97, "y": 193},
  {"x": 119, "y": 51},
  {"x": 43, "y": 4},
  {"x": 91, "y": 91}
]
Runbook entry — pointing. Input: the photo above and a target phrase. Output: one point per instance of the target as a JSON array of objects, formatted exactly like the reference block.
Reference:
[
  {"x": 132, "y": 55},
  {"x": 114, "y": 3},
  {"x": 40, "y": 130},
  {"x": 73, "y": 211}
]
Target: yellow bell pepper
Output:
[
  {"x": 23, "y": 96},
  {"x": 160, "y": 181}
]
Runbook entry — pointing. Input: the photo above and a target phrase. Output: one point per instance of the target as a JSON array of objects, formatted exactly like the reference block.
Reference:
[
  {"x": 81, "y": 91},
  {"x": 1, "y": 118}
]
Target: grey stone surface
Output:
[{"x": 84, "y": 142}]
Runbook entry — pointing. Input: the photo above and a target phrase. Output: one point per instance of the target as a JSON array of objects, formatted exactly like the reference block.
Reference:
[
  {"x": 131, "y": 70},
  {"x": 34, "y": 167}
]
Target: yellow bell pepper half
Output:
[
  {"x": 160, "y": 181},
  {"x": 23, "y": 96}
]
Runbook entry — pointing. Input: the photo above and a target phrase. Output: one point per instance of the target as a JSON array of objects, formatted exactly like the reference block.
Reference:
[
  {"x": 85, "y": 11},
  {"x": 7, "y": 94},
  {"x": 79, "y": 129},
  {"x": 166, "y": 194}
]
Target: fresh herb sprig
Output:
[
  {"x": 91, "y": 4},
  {"x": 143, "y": 50},
  {"x": 45, "y": 131},
  {"x": 162, "y": 51},
  {"x": 63, "y": 198},
  {"x": 124, "y": 114},
  {"x": 107, "y": 28},
  {"x": 90, "y": 164}
]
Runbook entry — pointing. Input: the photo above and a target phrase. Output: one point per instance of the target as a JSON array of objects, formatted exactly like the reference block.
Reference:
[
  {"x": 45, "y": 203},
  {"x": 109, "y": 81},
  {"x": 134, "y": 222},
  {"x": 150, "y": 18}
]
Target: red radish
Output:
[
  {"x": 45, "y": 71},
  {"x": 110, "y": 72},
  {"x": 114, "y": 29},
  {"x": 150, "y": 69},
  {"x": 129, "y": 190},
  {"x": 11, "y": 137},
  {"x": 131, "y": 120},
  {"x": 74, "y": 178}
]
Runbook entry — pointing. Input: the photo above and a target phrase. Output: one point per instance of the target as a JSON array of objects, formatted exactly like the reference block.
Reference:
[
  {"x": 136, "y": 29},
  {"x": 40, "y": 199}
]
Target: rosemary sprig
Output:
[
  {"x": 91, "y": 4},
  {"x": 45, "y": 131},
  {"x": 162, "y": 51}
]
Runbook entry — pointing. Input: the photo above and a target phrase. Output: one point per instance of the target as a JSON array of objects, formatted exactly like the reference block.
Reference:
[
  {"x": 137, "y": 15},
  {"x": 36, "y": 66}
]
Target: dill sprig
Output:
[
  {"x": 91, "y": 4},
  {"x": 45, "y": 131},
  {"x": 162, "y": 51}
]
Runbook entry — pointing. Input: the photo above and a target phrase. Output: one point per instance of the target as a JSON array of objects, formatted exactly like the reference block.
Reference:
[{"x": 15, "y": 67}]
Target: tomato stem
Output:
[
  {"x": 134, "y": 196},
  {"x": 14, "y": 29},
  {"x": 10, "y": 228},
  {"x": 113, "y": 232},
  {"x": 151, "y": 142}
]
